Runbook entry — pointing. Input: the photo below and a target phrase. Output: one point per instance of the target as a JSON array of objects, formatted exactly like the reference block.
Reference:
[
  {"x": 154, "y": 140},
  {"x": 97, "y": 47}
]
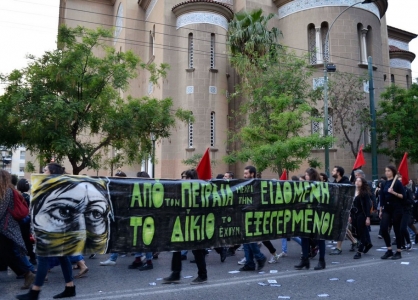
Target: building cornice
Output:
[
  {"x": 281, "y": 2},
  {"x": 400, "y": 35},
  {"x": 287, "y": 7},
  {"x": 203, "y": 5},
  {"x": 401, "y": 54},
  {"x": 144, "y": 3}
]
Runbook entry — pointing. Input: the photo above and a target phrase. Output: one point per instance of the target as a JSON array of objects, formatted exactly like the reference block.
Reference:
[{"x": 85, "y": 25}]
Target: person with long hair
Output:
[
  {"x": 391, "y": 209},
  {"x": 10, "y": 234},
  {"x": 360, "y": 215},
  {"x": 311, "y": 175}
]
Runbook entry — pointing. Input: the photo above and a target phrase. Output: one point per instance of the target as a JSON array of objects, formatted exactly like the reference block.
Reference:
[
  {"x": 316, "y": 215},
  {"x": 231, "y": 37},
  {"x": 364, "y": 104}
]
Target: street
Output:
[{"x": 344, "y": 278}]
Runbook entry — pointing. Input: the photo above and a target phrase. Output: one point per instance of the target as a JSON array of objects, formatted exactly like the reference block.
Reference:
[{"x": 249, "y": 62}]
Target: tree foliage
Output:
[
  {"x": 276, "y": 114},
  {"x": 248, "y": 34},
  {"x": 350, "y": 109},
  {"x": 68, "y": 104},
  {"x": 194, "y": 160},
  {"x": 397, "y": 123}
]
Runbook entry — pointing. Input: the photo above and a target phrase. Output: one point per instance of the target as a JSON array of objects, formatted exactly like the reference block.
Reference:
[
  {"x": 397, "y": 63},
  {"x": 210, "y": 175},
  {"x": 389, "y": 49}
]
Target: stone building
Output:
[{"x": 191, "y": 37}]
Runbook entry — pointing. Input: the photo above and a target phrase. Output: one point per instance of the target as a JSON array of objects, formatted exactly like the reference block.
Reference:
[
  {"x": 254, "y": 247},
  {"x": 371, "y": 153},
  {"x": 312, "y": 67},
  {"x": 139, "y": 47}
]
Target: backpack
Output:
[
  {"x": 409, "y": 198},
  {"x": 21, "y": 209}
]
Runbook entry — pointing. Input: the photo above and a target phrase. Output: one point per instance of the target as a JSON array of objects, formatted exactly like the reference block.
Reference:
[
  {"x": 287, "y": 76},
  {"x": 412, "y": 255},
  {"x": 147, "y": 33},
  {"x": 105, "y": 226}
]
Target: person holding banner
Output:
[
  {"x": 199, "y": 254},
  {"x": 71, "y": 215},
  {"x": 252, "y": 250},
  {"x": 391, "y": 209},
  {"x": 311, "y": 175},
  {"x": 43, "y": 262}
]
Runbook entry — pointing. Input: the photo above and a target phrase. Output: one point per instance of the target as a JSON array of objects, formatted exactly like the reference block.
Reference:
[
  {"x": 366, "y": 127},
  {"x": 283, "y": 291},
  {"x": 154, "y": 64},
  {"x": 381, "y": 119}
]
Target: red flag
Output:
[
  {"x": 203, "y": 169},
  {"x": 360, "y": 159},
  {"x": 403, "y": 169},
  {"x": 284, "y": 175}
]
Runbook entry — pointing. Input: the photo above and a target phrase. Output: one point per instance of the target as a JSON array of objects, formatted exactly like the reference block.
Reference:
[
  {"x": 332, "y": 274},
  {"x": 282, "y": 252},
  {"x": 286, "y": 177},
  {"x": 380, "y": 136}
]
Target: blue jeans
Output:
[
  {"x": 148, "y": 255},
  {"x": 43, "y": 266},
  {"x": 24, "y": 259},
  {"x": 114, "y": 256},
  {"x": 284, "y": 243},
  {"x": 252, "y": 251},
  {"x": 76, "y": 258}
]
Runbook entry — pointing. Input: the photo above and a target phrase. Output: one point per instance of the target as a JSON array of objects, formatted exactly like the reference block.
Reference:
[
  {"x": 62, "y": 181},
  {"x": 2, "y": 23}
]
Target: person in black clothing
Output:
[
  {"x": 360, "y": 215},
  {"x": 199, "y": 254},
  {"x": 407, "y": 218},
  {"x": 391, "y": 208},
  {"x": 338, "y": 175},
  {"x": 311, "y": 175}
]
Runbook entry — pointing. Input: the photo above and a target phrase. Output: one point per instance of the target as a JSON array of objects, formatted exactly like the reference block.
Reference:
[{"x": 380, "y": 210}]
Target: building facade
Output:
[{"x": 191, "y": 37}]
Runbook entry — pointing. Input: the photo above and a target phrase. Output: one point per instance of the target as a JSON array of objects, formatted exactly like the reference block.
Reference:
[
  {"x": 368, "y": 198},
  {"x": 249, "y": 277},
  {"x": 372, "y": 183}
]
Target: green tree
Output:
[
  {"x": 194, "y": 160},
  {"x": 67, "y": 103},
  {"x": 350, "y": 109},
  {"x": 273, "y": 118},
  {"x": 397, "y": 123},
  {"x": 275, "y": 115},
  {"x": 248, "y": 34}
]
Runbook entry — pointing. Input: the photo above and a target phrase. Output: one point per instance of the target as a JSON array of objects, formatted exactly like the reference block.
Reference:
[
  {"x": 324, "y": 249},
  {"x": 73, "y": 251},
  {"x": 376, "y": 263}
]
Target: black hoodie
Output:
[{"x": 344, "y": 179}]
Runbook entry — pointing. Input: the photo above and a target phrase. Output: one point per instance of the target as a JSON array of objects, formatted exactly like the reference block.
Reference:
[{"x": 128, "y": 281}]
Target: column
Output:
[
  {"x": 363, "y": 45},
  {"x": 318, "y": 42}
]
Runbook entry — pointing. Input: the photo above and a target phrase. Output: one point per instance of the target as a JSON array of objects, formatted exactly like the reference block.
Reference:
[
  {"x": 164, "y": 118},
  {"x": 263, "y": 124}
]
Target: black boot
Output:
[
  {"x": 31, "y": 295},
  {"x": 354, "y": 247},
  {"x": 173, "y": 278},
  {"x": 304, "y": 263},
  {"x": 321, "y": 265},
  {"x": 68, "y": 292}
]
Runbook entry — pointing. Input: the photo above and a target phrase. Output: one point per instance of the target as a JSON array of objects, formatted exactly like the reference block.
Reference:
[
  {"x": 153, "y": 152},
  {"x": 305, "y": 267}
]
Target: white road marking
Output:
[{"x": 167, "y": 289}]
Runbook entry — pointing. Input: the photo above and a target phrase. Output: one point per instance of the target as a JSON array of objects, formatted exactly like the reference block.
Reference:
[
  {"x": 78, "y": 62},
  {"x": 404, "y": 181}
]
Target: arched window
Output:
[
  {"x": 190, "y": 135},
  {"x": 190, "y": 47},
  {"x": 212, "y": 129},
  {"x": 151, "y": 43},
  {"x": 392, "y": 78},
  {"x": 369, "y": 41},
  {"x": 312, "y": 44},
  {"x": 325, "y": 44},
  {"x": 318, "y": 47},
  {"x": 317, "y": 126},
  {"x": 212, "y": 51},
  {"x": 407, "y": 82}
]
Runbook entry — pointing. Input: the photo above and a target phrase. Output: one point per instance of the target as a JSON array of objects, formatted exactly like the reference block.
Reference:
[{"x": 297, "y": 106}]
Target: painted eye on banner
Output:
[{"x": 63, "y": 213}]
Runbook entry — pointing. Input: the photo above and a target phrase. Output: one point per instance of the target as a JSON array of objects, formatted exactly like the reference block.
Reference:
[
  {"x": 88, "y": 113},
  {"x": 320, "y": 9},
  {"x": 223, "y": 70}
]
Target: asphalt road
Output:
[{"x": 344, "y": 278}]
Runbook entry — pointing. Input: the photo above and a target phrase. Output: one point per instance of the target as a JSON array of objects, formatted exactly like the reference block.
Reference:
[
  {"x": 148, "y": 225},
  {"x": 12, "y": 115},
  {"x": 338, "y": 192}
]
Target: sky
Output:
[{"x": 30, "y": 27}]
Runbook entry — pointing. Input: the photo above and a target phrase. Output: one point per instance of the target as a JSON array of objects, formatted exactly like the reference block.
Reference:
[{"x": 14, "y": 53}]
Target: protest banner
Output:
[{"x": 79, "y": 214}]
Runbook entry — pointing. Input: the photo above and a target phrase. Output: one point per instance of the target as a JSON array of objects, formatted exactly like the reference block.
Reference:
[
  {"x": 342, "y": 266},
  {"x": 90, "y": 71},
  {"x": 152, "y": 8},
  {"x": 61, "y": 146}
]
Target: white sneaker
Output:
[
  {"x": 274, "y": 259},
  {"x": 108, "y": 263},
  {"x": 242, "y": 261},
  {"x": 283, "y": 254}
]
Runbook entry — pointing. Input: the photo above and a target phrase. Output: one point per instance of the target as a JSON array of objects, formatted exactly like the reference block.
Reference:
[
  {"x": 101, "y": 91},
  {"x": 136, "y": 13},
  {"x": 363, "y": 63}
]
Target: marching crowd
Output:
[{"x": 394, "y": 203}]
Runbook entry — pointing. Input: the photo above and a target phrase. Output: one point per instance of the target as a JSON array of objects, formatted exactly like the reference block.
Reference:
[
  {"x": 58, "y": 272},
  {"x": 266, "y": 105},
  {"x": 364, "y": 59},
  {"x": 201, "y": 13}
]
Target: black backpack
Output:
[{"x": 409, "y": 198}]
